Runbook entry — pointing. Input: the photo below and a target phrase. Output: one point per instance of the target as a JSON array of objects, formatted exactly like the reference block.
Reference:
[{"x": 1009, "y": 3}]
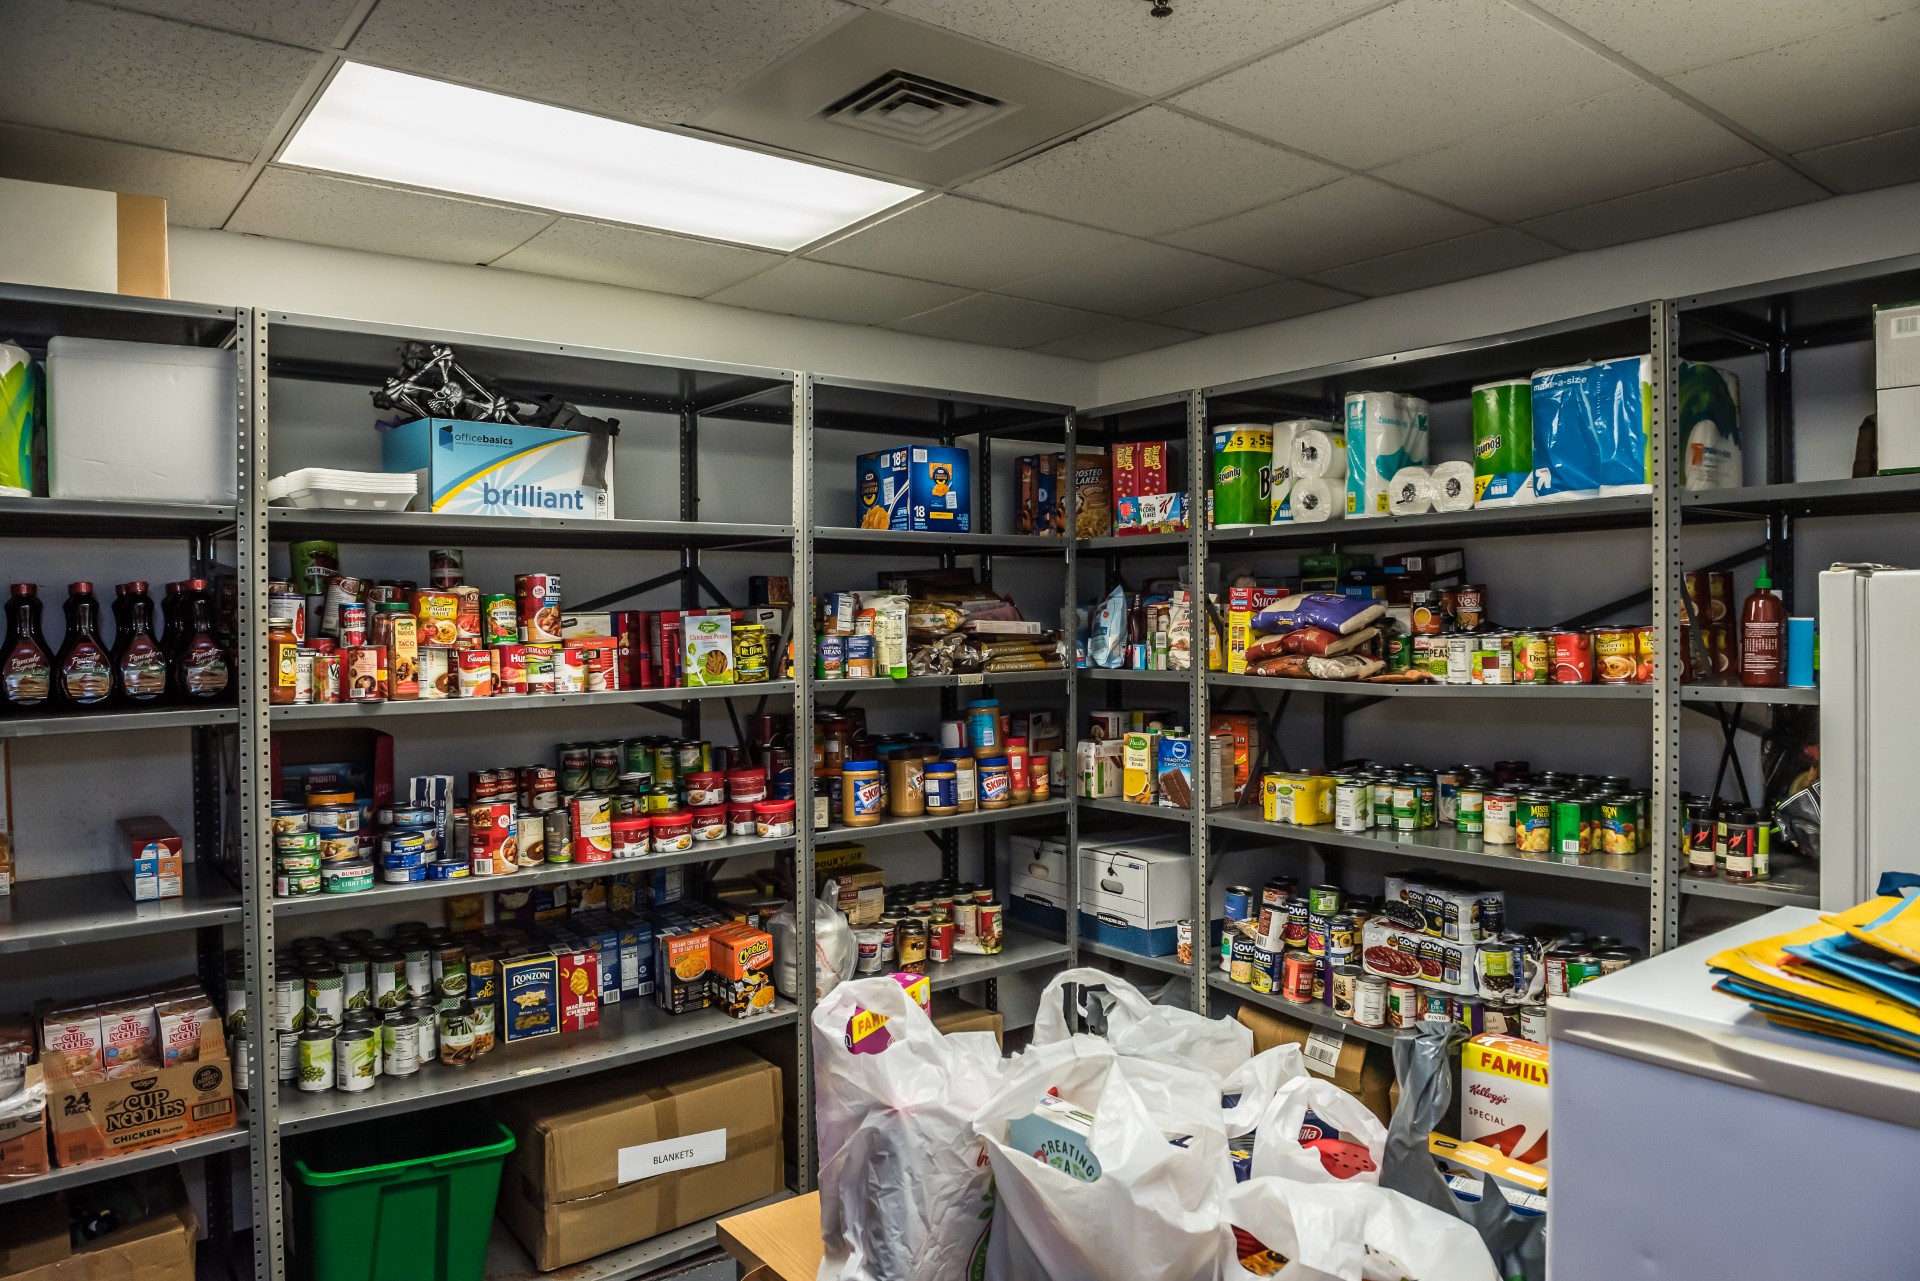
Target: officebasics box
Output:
[
  {"x": 500, "y": 469},
  {"x": 924, "y": 488}
]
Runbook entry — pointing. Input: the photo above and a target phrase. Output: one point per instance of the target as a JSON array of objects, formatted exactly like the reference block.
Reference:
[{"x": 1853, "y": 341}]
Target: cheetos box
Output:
[{"x": 1503, "y": 1096}]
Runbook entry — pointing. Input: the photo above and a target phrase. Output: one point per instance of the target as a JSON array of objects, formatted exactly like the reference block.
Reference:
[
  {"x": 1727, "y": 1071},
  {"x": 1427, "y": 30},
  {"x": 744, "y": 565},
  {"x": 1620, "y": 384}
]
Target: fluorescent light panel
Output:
[{"x": 386, "y": 125}]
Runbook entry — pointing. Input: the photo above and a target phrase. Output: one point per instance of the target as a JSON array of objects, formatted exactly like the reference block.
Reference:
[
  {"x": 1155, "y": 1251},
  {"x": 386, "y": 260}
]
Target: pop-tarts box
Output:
[
  {"x": 498, "y": 469},
  {"x": 917, "y": 487}
]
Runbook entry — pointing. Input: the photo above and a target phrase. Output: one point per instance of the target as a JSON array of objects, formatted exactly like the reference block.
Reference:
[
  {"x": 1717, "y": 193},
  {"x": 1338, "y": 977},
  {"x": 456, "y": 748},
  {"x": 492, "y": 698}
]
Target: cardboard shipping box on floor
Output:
[
  {"x": 957, "y": 1016},
  {"x": 1361, "y": 1068},
  {"x": 35, "y": 1244},
  {"x": 95, "y": 1118},
  {"x": 605, "y": 1162}
]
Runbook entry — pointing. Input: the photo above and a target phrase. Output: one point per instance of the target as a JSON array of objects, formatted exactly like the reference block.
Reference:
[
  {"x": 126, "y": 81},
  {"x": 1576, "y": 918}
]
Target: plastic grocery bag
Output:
[
  {"x": 1517, "y": 1242},
  {"x": 1089, "y": 1000},
  {"x": 1351, "y": 1231},
  {"x": 1159, "y": 1159},
  {"x": 1315, "y": 1132},
  {"x": 835, "y": 950},
  {"x": 905, "y": 1189},
  {"x": 1246, "y": 1095}
]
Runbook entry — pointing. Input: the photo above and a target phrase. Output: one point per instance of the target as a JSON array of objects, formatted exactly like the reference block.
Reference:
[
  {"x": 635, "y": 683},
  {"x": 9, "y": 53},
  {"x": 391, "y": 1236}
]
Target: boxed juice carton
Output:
[
  {"x": 501, "y": 469},
  {"x": 154, "y": 852}
]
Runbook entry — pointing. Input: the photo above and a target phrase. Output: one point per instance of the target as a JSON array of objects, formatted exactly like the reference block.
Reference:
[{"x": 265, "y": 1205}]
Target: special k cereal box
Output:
[
  {"x": 579, "y": 990},
  {"x": 742, "y": 960}
]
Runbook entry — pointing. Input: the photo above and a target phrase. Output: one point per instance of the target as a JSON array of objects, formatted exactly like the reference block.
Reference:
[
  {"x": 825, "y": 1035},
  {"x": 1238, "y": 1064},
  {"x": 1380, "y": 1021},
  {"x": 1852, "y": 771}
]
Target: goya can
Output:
[
  {"x": 1299, "y": 910},
  {"x": 1296, "y": 977},
  {"x": 1533, "y": 823},
  {"x": 1261, "y": 979},
  {"x": 1240, "y": 967},
  {"x": 1532, "y": 659}
]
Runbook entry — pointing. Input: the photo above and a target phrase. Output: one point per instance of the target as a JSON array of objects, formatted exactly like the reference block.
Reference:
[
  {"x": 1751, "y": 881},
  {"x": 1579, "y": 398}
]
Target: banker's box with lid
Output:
[
  {"x": 618, "y": 1158},
  {"x": 500, "y": 469},
  {"x": 1134, "y": 896},
  {"x": 1037, "y": 883}
]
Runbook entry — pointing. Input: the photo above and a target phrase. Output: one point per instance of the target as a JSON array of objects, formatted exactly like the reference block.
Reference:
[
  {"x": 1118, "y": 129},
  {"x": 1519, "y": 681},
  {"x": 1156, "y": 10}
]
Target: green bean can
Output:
[
  {"x": 389, "y": 974},
  {"x": 316, "y": 1060},
  {"x": 326, "y": 994},
  {"x": 400, "y": 1043},
  {"x": 417, "y": 958},
  {"x": 356, "y": 1059},
  {"x": 1470, "y": 810},
  {"x": 1399, "y": 651}
]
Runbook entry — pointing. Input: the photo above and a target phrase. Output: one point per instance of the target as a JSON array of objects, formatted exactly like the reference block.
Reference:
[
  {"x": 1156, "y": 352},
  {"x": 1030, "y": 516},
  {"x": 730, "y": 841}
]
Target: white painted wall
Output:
[
  {"x": 1834, "y": 233},
  {"x": 236, "y": 270}
]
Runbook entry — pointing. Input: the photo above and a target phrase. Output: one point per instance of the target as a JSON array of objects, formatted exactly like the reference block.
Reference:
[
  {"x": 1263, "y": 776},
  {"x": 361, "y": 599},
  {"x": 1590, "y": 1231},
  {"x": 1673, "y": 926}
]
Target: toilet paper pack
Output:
[{"x": 1385, "y": 432}]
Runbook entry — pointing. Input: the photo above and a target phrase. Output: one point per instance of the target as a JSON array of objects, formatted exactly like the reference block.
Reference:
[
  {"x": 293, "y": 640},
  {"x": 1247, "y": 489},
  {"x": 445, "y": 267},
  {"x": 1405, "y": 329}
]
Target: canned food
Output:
[
  {"x": 1616, "y": 655},
  {"x": 1370, "y": 1001},
  {"x": 1296, "y": 977},
  {"x": 1345, "y": 989},
  {"x": 1618, "y": 825},
  {"x": 399, "y": 1043},
  {"x": 1352, "y": 805},
  {"x": 1469, "y": 810},
  {"x": 1299, "y": 911},
  {"x": 1498, "y": 812},
  {"x": 1240, "y": 966},
  {"x": 1572, "y": 825},
  {"x": 1532, "y": 658},
  {"x": 1460, "y": 666},
  {"x": 1572, "y": 658},
  {"x": 1262, "y": 977},
  {"x": 315, "y": 1060},
  {"x": 1238, "y": 903},
  {"x": 456, "y": 1034},
  {"x": 1470, "y": 606},
  {"x": 499, "y": 620},
  {"x": 537, "y": 606},
  {"x": 366, "y": 674},
  {"x": 1383, "y": 800},
  {"x": 1404, "y": 1005},
  {"x": 1532, "y": 824},
  {"x": 356, "y": 1059},
  {"x": 1406, "y": 806},
  {"x": 591, "y": 816}
]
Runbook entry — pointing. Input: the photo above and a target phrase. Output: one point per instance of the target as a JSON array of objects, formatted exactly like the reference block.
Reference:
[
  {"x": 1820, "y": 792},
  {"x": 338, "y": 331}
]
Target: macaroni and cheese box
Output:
[
  {"x": 742, "y": 960},
  {"x": 579, "y": 990},
  {"x": 500, "y": 469},
  {"x": 926, "y": 488},
  {"x": 682, "y": 962}
]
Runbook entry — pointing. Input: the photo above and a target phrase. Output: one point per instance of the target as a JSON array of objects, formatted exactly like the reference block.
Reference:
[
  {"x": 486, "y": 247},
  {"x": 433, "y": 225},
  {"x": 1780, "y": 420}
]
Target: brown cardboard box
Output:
[
  {"x": 23, "y": 1128},
  {"x": 957, "y": 1016},
  {"x": 101, "y": 1118},
  {"x": 34, "y": 1244},
  {"x": 1361, "y": 1068},
  {"x": 580, "y": 1181}
]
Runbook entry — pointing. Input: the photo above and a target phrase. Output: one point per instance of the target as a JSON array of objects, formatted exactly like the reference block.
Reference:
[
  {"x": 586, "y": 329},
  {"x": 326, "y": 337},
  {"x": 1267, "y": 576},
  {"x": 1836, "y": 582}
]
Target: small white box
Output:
[
  {"x": 140, "y": 421},
  {"x": 1897, "y": 415}
]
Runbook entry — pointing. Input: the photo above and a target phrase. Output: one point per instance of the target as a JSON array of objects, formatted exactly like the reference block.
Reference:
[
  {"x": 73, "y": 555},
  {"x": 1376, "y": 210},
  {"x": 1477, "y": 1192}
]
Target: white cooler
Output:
[
  {"x": 1692, "y": 1140},
  {"x": 140, "y": 421}
]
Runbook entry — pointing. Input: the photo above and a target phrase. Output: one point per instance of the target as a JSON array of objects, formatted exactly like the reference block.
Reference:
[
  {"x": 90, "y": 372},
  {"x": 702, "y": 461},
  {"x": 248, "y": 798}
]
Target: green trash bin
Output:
[{"x": 407, "y": 1199}]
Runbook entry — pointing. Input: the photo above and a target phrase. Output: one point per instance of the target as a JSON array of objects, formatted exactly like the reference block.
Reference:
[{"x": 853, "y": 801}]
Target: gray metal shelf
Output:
[
  {"x": 96, "y": 907},
  {"x": 311, "y": 713},
  {"x": 943, "y": 822},
  {"x": 547, "y": 874},
  {"x": 1624, "y": 512},
  {"x": 1020, "y": 950},
  {"x": 115, "y": 722},
  {"x": 833, "y": 540},
  {"x": 954, "y": 680},
  {"x": 1164, "y": 964},
  {"x": 31, "y": 314},
  {"x": 1307, "y": 1012},
  {"x": 508, "y": 1261},
  {"x": 1127, "y": 675},
  {"x": 90, "y": 518},
  {"x": 1439, "y": 846},
  {"x": 1800, "y": 696},
  {"x": 630, "y": 1032},
  {"x": 424, "y": 528},
  {"x": 1793, "y": 886},
  {"x": 1132, "y": 809},
  {"x": 1855, "y": 496},
  {"x": 62, "y": 1178},
  {"x": 1145, "y": 544},
  {"x": 1371, "y": 689}
]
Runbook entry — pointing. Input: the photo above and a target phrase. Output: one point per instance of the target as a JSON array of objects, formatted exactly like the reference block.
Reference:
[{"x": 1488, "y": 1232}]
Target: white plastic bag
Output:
[
  {"x": 1349, "y": 1231},
  {"x": 835, "y": 950},
  {"x": 1135, "y": 1026},
  {"x": 1248, "y": 1091},
  {"x": 905, "y": 1193},
  {"x": 1348, "y": 1140},
  {"x": 1155, "y": 1209}
]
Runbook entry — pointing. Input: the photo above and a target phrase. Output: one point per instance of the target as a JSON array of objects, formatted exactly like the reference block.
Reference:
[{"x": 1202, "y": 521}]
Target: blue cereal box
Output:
[
  {"x": 499, "y": 469},
  {"x": 925, "y": 488}
]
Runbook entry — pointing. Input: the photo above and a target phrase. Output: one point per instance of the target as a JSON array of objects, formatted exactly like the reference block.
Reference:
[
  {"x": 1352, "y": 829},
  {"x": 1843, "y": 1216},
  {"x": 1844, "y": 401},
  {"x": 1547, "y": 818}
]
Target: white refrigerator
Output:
[{"x": 1869, "y": 729}]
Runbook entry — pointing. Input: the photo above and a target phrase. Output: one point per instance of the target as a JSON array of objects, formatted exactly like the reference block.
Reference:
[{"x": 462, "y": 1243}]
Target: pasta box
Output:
[
  {"x": 530, "y": 997},
  {"x": 501, "y": 469},
  {"x": 925, "y": 488},
  {"x": 579, "y": 990}
]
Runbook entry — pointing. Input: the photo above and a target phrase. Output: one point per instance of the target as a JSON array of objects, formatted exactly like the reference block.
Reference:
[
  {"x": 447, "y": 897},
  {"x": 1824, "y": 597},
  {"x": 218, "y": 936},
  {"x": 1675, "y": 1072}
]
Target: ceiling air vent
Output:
[{"x": 914, "y": 110}]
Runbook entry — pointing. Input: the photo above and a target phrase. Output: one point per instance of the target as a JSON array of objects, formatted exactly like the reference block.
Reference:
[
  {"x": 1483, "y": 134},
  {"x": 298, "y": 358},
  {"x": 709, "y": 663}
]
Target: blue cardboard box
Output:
[
  {"x": 922, "y": 488},
  {"x": 498, "y": 469}
]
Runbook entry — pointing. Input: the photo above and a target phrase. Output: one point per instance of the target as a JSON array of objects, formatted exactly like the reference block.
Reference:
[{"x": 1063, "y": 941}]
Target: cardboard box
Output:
[
  {"x": 102, "y": 1118},
  {"x": 154, "y": 853},
  {"x": 742, "y": 960},
  {"x": 498, "y": 469},
  {"x": 35, "y": 1243},
  {"x": 78, "y": 238},
  {"x": 916, "y": 487},
  {"x": 1134, "y": 896},
  {"x": 605, "y": 1162},
  {"x": 1363, "y": 1070},
  {"x": 861, "y": 892},
  {"x": 952, "y": 1015},
  {"x": 23, "y": 1126},
  {"x": 1503, "y": 1096}
]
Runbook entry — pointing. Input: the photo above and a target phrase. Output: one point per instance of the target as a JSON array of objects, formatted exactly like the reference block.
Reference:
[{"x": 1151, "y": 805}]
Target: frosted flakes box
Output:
[{"x": 502, "y": 469}]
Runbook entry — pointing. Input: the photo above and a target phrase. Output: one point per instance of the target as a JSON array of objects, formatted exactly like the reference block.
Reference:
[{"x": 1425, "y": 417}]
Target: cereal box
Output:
[
  {"x": 1092, "y": 495},
  {"x": 708, "y": 649},
  {"x": 579, "y": 990},
  {"x": 1504, "y": 1100},
  {"x": 530, "y": 996}
]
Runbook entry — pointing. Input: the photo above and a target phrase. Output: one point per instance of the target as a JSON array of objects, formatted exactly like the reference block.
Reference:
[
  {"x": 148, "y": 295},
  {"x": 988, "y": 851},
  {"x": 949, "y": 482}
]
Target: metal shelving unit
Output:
[
  {"x": 1367, "y": 689},
  {"x": 351, "y": 713},
  {"x": 96, "y": 908},
  {"x": 117, "y": 722},
  {"x": 1440, "y": 846},
  {"x": 507, "y": 1261},
  {"x": 61, "y": 1178},
  {"x": 1307, "y": 1012}
]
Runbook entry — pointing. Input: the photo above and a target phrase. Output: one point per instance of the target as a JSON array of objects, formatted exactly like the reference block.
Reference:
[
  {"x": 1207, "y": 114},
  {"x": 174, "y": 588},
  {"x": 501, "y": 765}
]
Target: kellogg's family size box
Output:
[{"x": 500, "y": 469}]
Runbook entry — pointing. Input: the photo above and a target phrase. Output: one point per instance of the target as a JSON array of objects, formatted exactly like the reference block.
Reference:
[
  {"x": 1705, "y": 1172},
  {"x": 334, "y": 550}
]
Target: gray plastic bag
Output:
[{"x": 1517, "y": 1242}]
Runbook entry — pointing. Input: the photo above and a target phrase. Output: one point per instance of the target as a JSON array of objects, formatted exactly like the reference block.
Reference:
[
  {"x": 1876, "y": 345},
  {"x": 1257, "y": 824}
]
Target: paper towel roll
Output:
[
  {"x": 1386, "y": 431},
  {"x": 1319, "y": 454},
  {"x": 1283, "y": 436},
  {"x": 1452, "y": 487},
  {"x": 1318, "y": 498},
  {"x": 1410, "y": 492}
]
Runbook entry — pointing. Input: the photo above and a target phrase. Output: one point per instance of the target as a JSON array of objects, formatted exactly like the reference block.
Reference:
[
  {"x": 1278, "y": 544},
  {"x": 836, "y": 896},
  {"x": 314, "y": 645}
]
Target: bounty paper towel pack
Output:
[
  {"x": 1242, "y": 475},
  {"x": 1710, "y": 426},
  {"x": 1503, "y": 443},
  {"x": 1590, "y": 429},
  {"x": 1385, "y": 432},
  {"x": 1281, "y": 491}
]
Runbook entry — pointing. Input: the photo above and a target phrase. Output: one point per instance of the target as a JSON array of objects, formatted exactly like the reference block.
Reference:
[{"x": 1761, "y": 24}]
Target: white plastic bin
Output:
[{"x": 140, "y": 422}]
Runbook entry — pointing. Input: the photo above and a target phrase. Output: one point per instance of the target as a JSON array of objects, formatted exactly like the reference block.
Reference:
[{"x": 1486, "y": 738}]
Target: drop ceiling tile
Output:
[
  {"x": 1682, "y": 206},
  {"x": 1151, "y": 172},
  {"x": 1001, "y": 322},
  {"x": 1124, "y": 44},
  {"x": 1342, "y": 222},
  {"x": 1280, "y": 301},
  {"x": 1128, "y": 338},
  {"x": 1138, "y": 279},
  {"x": 312, "y": 23},
  {"x": 83, "y": 69},
  {"x": 823, "y": 290},
  {"x": 1630, "y": 140},
  {"x": 200, "y": 192},
  {"x": 1480, "y": 254},
  {"x": 291, "y": 204},
  {"x": 1883, "y": 160},
  {"x": 659, "y": 60},
  {"x": 1830, "y": 88},
  {"x": 963, "y": 242},
  {"x": 1407, "y": 79},
  {"x": 1665, "y": 37},
  {"x": 637, "y": 259}
]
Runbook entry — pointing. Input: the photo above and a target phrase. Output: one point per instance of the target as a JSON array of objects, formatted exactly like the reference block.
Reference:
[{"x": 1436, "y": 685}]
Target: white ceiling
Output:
[{"x": 1269, "y": 158}]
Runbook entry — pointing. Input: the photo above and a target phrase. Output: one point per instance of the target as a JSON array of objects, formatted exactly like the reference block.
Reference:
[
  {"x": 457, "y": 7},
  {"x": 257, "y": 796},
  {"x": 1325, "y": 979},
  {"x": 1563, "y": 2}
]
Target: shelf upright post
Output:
[
  {"x": 689, "y": 441},
  {"x": 254, "y": 784},
  {"x": 1199, "y": 477},
  {"x": 1070, "y": 728},
  {"x": 1780, "y": 442},
  {"x": 801, "y": 629},
  {"x": 1664, "y": 909}
]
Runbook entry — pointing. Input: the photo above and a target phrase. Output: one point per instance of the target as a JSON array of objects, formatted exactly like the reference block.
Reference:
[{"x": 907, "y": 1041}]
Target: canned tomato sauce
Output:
[{"x": 1572, "y": 658}]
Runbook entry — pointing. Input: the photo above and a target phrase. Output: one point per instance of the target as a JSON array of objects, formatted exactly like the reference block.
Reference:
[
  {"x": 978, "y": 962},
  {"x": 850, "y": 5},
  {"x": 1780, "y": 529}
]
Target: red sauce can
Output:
[
  {"x": 940, "y": 941},
  {"x": 490, "y": 838},
  {"x": 366, "y": 674},
  {"x": 1296, "y": 977},
  {"x": 329, "y": 679},
  {"x": 509, "y": 669},
  {"x": 1572, "y": 658},
  {"x": 537, "y": 598}
]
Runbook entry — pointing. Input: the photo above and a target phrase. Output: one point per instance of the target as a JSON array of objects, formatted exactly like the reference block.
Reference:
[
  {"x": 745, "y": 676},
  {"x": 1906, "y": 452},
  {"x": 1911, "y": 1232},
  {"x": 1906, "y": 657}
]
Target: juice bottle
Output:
[
  {"x": 1763, "y": 637},
  {"x": 139, "y": 668},
  {"x": 82, "y": 672},
  {"x": 26, "y": 668}
]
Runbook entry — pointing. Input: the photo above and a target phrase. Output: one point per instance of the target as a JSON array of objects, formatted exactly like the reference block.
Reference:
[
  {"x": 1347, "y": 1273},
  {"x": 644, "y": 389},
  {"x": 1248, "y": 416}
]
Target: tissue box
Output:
[
  {"x": 924, "y": 488},
  {"x": 498, "y": 469}
]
